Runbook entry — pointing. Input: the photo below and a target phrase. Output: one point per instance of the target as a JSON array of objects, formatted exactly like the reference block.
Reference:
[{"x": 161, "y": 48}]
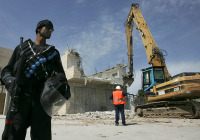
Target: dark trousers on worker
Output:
[
  {"x": 29, "y": 114},
  {"x": 119, "y": 109}
]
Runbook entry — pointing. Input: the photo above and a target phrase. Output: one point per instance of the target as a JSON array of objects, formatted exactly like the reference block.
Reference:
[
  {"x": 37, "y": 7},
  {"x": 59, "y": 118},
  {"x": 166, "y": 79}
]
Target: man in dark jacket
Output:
[{"x": 41, "y": 62}]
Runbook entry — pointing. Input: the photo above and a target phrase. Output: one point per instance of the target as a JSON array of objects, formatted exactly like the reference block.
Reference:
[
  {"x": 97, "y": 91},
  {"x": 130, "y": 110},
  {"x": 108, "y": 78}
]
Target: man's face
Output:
[{"x": 46, "y": 33}]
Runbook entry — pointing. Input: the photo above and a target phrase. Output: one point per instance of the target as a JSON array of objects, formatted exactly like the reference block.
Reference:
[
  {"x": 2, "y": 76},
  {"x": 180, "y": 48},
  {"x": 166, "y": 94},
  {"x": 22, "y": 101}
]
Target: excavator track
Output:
[{"x": 169, "y": 109}]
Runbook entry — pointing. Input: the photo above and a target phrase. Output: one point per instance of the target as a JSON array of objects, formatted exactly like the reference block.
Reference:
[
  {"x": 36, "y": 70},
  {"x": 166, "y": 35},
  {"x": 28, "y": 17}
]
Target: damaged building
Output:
[{"x": 89, "y": 93}]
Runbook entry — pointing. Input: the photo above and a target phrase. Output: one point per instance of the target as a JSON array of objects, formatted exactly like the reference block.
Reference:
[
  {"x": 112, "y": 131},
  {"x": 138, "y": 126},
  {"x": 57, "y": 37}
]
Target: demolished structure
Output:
[{"x": 90, "y": 93}]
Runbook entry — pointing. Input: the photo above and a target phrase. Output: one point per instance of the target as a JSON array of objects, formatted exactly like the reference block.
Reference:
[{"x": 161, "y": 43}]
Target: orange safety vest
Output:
[{"x": 118, "y": 97}]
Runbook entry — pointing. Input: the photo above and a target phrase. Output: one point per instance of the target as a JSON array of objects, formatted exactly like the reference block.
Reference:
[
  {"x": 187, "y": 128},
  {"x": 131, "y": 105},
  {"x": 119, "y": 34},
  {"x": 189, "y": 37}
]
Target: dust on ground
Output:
[
  {"x": 100, "y": 126},
  {"x": 108, "y": 117}
]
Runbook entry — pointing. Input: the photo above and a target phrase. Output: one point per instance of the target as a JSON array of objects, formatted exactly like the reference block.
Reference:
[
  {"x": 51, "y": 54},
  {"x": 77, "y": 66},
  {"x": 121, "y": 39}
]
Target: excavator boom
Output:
[{"x": 154, "y": 54}]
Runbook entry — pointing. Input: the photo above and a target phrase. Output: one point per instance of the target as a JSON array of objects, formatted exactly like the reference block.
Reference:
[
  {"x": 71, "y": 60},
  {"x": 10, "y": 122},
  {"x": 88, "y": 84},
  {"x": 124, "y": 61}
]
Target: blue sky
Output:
[{"x": 95, "y": 29}]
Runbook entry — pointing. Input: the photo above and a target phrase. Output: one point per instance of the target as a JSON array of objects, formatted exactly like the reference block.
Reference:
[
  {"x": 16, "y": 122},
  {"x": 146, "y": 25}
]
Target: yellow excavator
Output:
[{"x": 164, "y": 95}]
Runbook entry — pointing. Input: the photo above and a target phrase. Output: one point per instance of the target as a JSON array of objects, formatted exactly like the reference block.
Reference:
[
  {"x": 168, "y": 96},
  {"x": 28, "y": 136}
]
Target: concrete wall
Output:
[
  {"x": 91, "y": 97},
  {"x": 71, "y": 62},
  {"x": 5, "y": 55},
  {"x": 114, "y": 74},
  {"x": 2, "y": 98}
]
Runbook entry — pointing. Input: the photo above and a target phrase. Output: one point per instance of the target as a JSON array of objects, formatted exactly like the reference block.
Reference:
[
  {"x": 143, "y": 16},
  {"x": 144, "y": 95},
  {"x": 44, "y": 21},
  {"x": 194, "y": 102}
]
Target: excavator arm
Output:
[
  {"x": 154, "y": 54},
  {"x": 129, "y": 29}
]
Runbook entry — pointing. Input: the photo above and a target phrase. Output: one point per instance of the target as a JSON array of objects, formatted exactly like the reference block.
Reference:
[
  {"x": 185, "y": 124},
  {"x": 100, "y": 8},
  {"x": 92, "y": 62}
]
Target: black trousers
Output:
[
  {"x": 119, "y": 109},
  {"x": 29, "y": 114}
]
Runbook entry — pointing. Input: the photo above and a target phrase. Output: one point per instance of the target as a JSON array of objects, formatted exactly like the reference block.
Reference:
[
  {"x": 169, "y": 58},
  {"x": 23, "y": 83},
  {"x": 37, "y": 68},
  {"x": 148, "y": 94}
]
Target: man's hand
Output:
[
  {"x": 10, "y": 83},
  {"x": 111, "y": 101}
]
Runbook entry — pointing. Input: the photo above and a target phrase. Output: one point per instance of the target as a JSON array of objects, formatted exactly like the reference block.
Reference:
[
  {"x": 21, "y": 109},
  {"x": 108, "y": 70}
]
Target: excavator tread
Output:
[{"x": 169, "y": 109}]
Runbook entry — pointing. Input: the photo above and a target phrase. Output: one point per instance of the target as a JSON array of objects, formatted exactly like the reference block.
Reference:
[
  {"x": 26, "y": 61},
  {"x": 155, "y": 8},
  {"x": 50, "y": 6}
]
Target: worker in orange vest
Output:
[{"x": 118, "y": 99}]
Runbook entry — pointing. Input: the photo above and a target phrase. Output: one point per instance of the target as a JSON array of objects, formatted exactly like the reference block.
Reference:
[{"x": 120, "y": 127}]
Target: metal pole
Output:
[{"x": 7, "y": 103}]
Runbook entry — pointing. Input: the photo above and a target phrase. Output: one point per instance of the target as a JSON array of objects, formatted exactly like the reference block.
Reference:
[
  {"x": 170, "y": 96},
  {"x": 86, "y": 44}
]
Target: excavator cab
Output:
[{"x": 152, "y": 76}]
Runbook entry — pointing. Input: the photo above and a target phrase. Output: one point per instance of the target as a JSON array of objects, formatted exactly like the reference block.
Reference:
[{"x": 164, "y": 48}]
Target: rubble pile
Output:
[{"x": 104, "y": 115}]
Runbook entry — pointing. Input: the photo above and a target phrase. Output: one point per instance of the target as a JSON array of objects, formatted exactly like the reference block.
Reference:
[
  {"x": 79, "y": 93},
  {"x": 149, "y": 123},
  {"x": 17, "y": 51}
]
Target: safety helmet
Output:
[{"x": 118, "y": 87}]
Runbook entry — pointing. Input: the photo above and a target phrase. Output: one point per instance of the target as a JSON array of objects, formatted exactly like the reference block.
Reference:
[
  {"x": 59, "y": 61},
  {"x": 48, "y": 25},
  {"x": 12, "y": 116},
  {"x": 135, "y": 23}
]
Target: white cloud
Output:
[
  {"x": 179, "y": 67},
  {"x": 136, "y": 84},
  {"x": 80, "y": 1},
  {"x": 100, "y": 40},
  {"x": 184, "y": 2}
]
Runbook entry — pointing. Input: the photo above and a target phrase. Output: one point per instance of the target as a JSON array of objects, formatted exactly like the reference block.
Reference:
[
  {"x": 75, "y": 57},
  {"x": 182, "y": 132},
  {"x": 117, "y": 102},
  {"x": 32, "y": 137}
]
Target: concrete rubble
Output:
[{"x": 110, "y": 115}]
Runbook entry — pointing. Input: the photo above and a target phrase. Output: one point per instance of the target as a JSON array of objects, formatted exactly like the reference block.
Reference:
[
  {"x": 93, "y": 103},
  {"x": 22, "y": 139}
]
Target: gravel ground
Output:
[{"x": 100, "y": 125}]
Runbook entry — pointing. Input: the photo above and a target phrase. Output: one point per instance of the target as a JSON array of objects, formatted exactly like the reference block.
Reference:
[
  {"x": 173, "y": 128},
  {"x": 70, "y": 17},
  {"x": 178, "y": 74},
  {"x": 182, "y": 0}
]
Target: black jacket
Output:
[{"x": 55, "y": 65}]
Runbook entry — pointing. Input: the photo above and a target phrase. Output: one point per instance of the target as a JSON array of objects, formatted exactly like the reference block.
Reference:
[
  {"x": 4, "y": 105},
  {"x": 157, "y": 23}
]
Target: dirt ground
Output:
[{"x": 100, "y": 126}]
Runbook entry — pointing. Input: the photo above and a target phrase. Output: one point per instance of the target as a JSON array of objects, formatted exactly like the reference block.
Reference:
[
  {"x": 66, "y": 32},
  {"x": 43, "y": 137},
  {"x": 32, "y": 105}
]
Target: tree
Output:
[{"x": 140, "y": 92}]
